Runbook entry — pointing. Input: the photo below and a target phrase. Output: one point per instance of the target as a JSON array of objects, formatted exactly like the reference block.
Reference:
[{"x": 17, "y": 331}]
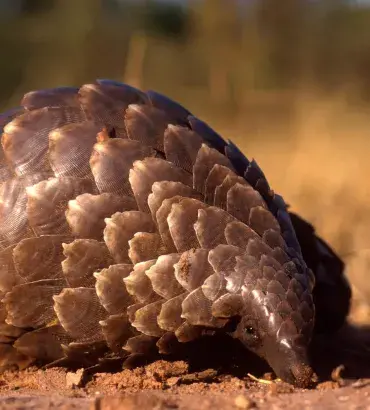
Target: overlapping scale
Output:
[
  {"x": 83, "y": 257},
  {"x": 146, "y": 124},
  {"x": 222, "y": 190},
  {"x": 145, "y": 246},
  {"x": 168, "y": 189},
  {"x": 45, "y": 343},
  {"x": 47, "y": 202},
  {"x": 106, "y": 102},
  {"x": 70, "y": 148},
  {"x": 9, "y": 276},
  {"x": 138, "y": 283},
  {"x": 181, "y": 220},
  {"x": 111, "y": 161},
  {"x": 162, "y": 276},
  {"x": 111, "y": 289},
  {"x": 214, "y": 179},
  {"x": 121, "y": 228},
  {"x": 14, "y": 223},
  {"x": 79, "y": 312},
  {"x": 87, "y": 213},
  {"x": 169, "y": 317},
  {"x": 197, "y": 310},
  {"x": 145, "y": 320},
  {"x": 144, "y": 173},
  {"x": 206, "y": 159},
  {"x": 210, "y": 226},
  {"x": 25, "y": 140},
  {"x": 181, "y": 146},
  {"x": 30, "y": 305},
  {"x": 53, "y": 97},
  {"x": 117, "y": 330}
]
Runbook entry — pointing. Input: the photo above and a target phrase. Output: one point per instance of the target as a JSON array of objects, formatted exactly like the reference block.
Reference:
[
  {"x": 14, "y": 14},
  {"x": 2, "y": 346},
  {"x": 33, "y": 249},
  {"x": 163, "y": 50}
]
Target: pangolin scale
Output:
[{"x": 127, "y": 224}]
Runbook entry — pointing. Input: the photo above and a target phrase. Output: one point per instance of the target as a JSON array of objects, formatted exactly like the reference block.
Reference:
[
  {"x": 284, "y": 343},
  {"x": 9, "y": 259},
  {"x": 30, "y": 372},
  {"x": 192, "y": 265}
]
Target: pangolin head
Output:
[{"x": 277, "y": 321}]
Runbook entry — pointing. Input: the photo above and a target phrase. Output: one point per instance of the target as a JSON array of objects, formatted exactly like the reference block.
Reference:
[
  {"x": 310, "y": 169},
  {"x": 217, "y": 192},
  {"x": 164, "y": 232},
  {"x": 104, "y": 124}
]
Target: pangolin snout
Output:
[
  {"x": 303, "y": 375},
  {"x": 291, "y": 364}
]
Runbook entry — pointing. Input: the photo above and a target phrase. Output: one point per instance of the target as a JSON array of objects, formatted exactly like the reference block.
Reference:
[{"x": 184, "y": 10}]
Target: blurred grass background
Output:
[{"x": 289, "y": 81}]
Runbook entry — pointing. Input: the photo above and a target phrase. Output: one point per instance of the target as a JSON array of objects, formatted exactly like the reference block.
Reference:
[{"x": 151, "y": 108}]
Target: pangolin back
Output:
[{"x": 126, "y": 222}]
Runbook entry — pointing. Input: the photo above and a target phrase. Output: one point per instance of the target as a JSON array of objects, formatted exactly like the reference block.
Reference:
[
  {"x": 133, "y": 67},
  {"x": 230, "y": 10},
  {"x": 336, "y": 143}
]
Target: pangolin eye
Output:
[{"x": 249, "y": 330}]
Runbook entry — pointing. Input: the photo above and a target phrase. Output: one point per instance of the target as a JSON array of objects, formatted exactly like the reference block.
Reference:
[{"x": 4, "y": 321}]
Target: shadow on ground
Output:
[{"x": 350, "y": 348}]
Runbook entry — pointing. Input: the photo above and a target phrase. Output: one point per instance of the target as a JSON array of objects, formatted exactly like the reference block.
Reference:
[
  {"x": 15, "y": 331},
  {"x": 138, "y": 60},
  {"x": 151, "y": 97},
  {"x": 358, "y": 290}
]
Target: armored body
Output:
[{"x": 127, "y": 223}]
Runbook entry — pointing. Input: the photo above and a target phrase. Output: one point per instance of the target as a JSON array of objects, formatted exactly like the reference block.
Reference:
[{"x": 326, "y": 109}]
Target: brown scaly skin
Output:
[{"x": 126, "y": 223}]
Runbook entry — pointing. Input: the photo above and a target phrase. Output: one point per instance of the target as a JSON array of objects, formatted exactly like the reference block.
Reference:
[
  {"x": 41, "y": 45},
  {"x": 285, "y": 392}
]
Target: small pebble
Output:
[
  {"x": 358, "y": 384},
  {"x": 74, "y": 380},
  {"x": 243, "y": 402},
  {"x": 280, "y": 388},
  {"x": 328, "y": 385},
  {"x": 204, "y": 376},
  {"x": 172, "y": 381}
]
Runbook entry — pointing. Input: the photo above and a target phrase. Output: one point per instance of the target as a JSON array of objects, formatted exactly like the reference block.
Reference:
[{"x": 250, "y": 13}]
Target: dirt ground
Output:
[
  {"x": 164, "y": 385},
  {"x": 217, "y": 373}
]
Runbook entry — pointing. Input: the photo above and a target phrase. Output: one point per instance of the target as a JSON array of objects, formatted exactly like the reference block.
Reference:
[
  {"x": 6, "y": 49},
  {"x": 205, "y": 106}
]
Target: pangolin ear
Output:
[{"x": 231, "y": 325}]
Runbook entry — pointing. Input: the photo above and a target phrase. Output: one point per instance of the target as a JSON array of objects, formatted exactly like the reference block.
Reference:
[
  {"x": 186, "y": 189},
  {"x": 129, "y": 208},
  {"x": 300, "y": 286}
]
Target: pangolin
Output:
[{"x": 127, "y": 225}]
